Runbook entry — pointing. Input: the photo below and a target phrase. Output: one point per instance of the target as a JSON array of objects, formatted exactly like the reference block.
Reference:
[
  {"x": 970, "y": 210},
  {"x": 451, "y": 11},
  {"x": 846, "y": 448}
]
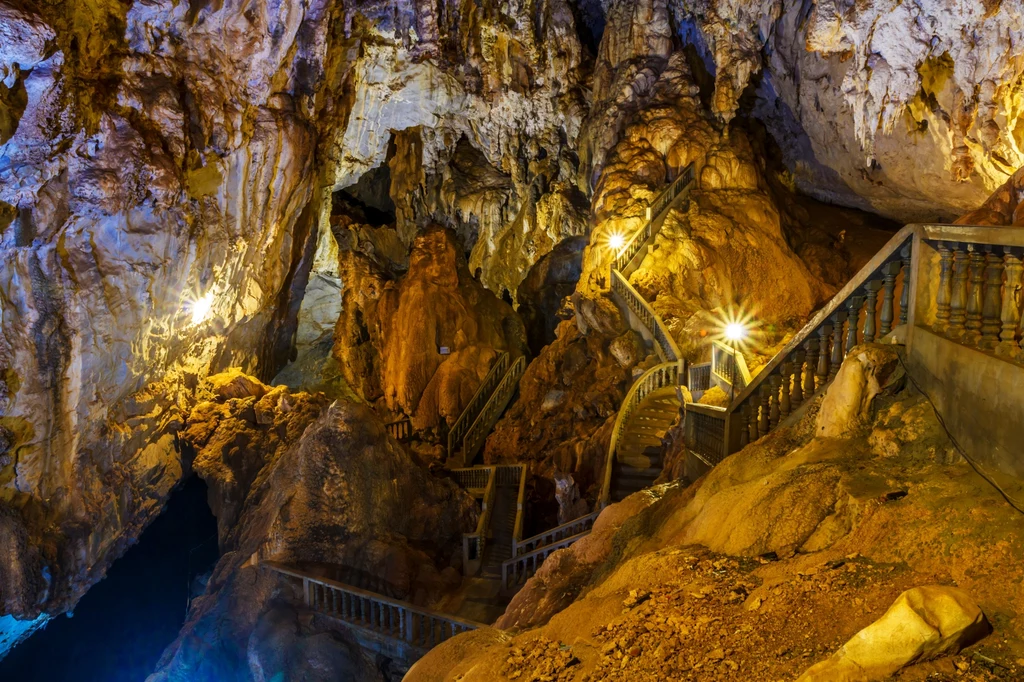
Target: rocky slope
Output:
[
  {"x": 296, "y": 481},
  {"x": 774, "y": 559}
]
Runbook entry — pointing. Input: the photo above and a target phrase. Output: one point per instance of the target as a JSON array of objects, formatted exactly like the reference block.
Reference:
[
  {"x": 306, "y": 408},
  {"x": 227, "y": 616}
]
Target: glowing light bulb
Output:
[
  {"x": 201, "y": 308},
  {"x": 616, "y": 241},
  {"x": 734, "y": 331}
]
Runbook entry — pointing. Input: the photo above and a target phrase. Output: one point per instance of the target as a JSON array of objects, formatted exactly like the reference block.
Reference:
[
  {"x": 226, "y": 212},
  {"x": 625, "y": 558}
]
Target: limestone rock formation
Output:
[
  {"x": 428, "y": 337},
  {"x": 922, "y": 623},
  {"x": 307, "y": 485}
]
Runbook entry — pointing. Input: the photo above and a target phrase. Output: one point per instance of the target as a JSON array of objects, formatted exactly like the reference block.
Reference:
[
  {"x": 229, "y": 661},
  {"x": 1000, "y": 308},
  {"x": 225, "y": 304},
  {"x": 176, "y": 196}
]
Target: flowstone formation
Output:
[
  {"x": 297, "y": 481},
  {"x": 424, "y": 341}
]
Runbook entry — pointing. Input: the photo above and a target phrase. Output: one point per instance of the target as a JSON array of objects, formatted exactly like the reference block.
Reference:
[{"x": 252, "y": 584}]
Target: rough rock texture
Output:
[
  {"x": 923, "y": 623},
  {"x": 772, "y": 561},
  {"x": 310, "y": 486},
  {"x": 394, "y": 332},
  {"x": 910, "y": 109},
  {"x": 145, "y": 164}
]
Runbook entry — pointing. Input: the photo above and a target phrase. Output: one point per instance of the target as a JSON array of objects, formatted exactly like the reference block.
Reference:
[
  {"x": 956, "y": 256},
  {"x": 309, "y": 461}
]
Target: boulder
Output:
[
  {"x": 847, "y": 403},
  {"x": 923, "y": 623}
]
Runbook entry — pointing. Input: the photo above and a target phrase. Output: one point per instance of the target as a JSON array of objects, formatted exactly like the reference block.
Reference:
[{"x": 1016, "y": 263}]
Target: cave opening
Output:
[
  {"x": 122, "y": 625},
  {"x": 369, "y": 200}
]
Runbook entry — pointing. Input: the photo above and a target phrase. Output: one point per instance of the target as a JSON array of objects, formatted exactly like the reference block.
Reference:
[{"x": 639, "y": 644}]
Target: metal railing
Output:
[
  {"x": 577, "y": 527},
  {"x": 400, "y": 430},
  {"x": 510, "y": 475},
  {"x": 699, "y": 379},
  {"x": 477, "y": 402},
  {"x": 516, "y": 570},
  {"x": 414, "y": 628},
  {"x": 471, "y": 477},
  {"x": 657, "y": 377},
  {"x": 499, "y": 400},
  {"x": 729, "y": 367},
  {"x": 704, "y": 428}
]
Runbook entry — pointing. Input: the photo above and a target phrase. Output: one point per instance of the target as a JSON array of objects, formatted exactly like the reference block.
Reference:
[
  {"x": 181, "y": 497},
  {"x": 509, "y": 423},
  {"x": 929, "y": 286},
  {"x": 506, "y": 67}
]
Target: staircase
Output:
[{"x": 468, "y": 433}]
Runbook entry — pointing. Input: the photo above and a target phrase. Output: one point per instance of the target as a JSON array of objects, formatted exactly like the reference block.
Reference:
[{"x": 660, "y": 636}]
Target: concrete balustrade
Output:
[
  {"x": 400, "y": 430},
  {"x": 391, "y": 627}
]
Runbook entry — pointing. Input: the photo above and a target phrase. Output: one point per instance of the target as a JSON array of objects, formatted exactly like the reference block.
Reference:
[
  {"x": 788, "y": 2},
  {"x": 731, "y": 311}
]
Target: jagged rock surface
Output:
[{"x": 315, "y": 486}]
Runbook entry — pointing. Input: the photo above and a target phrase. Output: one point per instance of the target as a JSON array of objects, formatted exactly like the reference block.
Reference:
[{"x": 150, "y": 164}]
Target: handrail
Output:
[
  {"x": 473, "y": 544},
  {"x": 665, "y": 345},
  {"x": 784, "y": 382},
  {"x": 652, "y": 225},
  {"x": 471, "y": 477},
  {"x": 518, "y": 568},
  {"x": 583, "y": 523},
  {"x": 398, "y": 620},
  {"x": 728, "y": 365},
  {"x": 400, "y": 430},
  {"x": 517, "y": 529},
  {"x": 477, "y": 403},
  {"x": 704, "y": 429},
  {"x": 659, "y": 376},
  {"x": 484, "y": 422}
]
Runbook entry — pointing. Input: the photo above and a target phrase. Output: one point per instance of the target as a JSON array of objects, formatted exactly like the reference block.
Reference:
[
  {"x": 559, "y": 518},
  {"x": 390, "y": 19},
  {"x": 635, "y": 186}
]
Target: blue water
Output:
[{"x": 122, "y": 625}]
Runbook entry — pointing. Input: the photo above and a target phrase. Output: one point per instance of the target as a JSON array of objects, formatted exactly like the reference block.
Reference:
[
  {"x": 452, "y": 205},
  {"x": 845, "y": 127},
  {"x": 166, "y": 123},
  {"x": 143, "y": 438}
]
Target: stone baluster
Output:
[
  {"x": 763, "y": 425},
  {"x": 1010, "y": 314},
  {"x": 811, "y": 347},
  {"x": 775, "y": 381},
  {"x": 870, "y": 301},
  {"x": 824, "y": 332},
  {"x": 944, "y": 296},
  {"x": 890, "y": 271},
  {"x": 991, "y": 300},
  {"x": 798, "y": 376},
  {"x": 976, "y": 264},
  {"x": 853, "y": 306},
  {"x": 752, "y": 424},
  {"x": 785, "y": 406},
  {"x": 838, "y": 319},
  {"x": 905, "y": 294},
  {"x": 958, "y": 301}
]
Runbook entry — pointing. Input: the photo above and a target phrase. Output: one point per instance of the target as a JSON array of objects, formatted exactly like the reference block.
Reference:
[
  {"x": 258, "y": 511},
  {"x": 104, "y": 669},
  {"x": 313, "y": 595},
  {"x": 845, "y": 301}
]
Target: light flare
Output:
[
  {"x": 200, "y": 308},
  {"x": 616, "y": 241}
]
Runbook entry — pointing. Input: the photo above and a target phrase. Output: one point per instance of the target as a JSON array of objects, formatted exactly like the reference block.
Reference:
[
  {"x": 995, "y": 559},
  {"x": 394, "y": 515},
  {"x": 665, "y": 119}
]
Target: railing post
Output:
[
  {"x": 871, "y": 289},
  {"x": 775, "y": 381},
  {"x": 958, "y": 302},
  {"x": 853, "y": 306},
  {"x": 798, "y": 376},
  {"x": 905, "y": 294},
  {"x": 838, "y": 319},
  {"x": 944, "y": 296},
  {"x": 889, "y": 273},
  {"x": 992, "y": 303},
  {"x": 972, "y": 334},
  {"x": 1010, "y": 315},
  {"x": 785, "y": 406},
  {"x": 763, "y": 424},
  {"x": 824, "y": 331},
  {"x": 811, "y": 347}
]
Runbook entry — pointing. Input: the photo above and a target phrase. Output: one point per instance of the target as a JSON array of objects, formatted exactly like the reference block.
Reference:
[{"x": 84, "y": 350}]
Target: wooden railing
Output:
[
  {"x": 516, "y": 570},
  {"x": 659, "y": 376},
  {"x": 491, "y": 412},
  {"x": 414, "y": 629},
  {"x": 400, "y": 430},
  {"x": 476, "y": 404},
  {"x": 473, "y": 544},
  {"x": 729, "y": 367}
]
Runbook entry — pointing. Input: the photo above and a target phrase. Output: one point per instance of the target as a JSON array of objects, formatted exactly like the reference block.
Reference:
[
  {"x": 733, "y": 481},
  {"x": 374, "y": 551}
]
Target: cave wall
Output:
[{"x": 163, "y": 157}]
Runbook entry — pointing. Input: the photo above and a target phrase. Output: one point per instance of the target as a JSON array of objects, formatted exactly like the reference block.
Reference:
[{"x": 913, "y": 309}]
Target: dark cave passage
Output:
[{"x": 123, "y": 624}]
